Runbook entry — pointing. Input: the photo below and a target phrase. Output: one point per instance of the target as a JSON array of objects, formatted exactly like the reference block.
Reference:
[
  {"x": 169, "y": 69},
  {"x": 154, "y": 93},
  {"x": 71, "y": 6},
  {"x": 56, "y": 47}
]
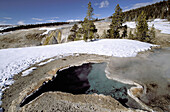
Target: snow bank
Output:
[
  {"x": 15, "y": 60},
  {"x": 47, "y": 30},
  {"x": 160, "y": 24}
]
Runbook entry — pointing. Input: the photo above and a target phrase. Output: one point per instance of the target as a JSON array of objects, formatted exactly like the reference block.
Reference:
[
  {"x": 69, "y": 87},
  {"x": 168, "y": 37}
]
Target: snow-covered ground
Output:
[
  {"x": 160, "y": 24},
  {"x": 2, "y": 28},
  {"x": 15, "y": 60},
  {"x": 6, "y": 27},
  {"x": 47, "y": 30}
]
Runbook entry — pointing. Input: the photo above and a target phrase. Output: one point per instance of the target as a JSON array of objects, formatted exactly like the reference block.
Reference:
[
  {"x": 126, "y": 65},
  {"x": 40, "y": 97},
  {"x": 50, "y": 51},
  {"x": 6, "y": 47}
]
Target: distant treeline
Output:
[
  {"x": 157, "y": 10},
  {"x": 38, "y": 25},
  {"x": 32, "y": 26},
  {"x": 4, "y": 25},
  {"x": 19, "y": 27}
]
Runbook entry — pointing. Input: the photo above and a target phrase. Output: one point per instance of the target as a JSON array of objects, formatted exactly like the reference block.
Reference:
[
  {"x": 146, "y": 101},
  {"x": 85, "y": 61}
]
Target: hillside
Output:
[{"x": 157, "y": 10}]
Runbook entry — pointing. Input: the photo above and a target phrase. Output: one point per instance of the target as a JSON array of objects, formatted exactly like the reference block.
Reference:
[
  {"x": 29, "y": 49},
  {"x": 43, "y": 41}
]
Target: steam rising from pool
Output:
[{"x": 153, "y": 71}]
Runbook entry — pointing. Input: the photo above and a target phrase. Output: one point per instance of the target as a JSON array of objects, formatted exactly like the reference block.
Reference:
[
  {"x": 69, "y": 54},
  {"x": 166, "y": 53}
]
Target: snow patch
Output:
[
  {"x": 160, "y": 20},
  {"x": 43, "y": 63},
  {"x": 77, "y": 20},
  {"x": 130, "y": 24},
  {"x": 47, "y": 30},
  {"x": 160, "y": 24},
  {"x": 27, "y": 72}
]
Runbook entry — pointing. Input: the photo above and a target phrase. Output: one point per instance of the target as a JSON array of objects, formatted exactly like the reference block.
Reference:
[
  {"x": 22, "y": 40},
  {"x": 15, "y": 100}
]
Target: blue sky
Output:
[{"x": 44, "y": 11}]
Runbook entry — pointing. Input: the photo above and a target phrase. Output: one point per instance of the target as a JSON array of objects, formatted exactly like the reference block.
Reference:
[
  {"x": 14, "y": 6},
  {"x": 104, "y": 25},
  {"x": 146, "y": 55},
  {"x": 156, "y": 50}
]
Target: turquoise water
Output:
[{"x": 100, "y": 84}]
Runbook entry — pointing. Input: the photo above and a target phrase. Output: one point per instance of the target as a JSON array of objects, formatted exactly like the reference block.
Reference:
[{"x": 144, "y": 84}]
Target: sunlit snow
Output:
[{"x": 160, "y": 24}]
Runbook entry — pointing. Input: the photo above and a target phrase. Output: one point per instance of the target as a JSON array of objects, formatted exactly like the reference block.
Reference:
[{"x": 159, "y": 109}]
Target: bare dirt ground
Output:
[
  {"x": 162, "y": 39},
  {"x": 64, "y": 102},
  {"x": 29, "y": 37},
  {"x": 21, "y": 38}
]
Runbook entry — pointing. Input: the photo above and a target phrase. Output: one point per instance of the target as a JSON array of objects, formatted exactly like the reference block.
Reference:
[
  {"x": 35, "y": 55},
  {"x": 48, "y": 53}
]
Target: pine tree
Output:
[
  {"x": 89, "y": 29},
  {"x": 85, "y": 29},
  {"x": 142, "y": 27},
  {"x": 117, "y": 21},
  {"x": 169, "y": 10},
  {"x": 74, "y": 31},
  {"x": 89, "y": 11},
  {"x": 92, "y": 30},
  {"x": 74, "y": 28}
]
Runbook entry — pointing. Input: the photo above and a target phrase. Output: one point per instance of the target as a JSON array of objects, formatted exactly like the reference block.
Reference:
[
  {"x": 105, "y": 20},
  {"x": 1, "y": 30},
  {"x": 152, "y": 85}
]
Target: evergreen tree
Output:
[
  {"x": 92, "y": 30},
  {"x": 142, "y": 27},
  {"x": 89, "y": 11},
  {"x": 73, "y": 31},
  {"x": 169, "y": 10},
  {"x": 85, "y": 29},
  {"x": 117, "y": 21},
  {"x": 74, "y": 28},
  {"x": 88, "y": 26}
]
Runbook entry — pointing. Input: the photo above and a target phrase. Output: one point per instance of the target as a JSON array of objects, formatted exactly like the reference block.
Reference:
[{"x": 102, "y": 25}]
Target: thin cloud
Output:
[
  {"x": 4, "y": 23},
  {"x": 1, "y": 23},
  {"x": 7, "y": 18},
  {"x": 104, "y": 4},
  {"x": 97, "y": 15},
  {"x": 126, "y": 7},
  {"x": 96, "y": 4},
  {"x": 37, "y": 19},
  {"x": 20, "y": 23},
  {"x": 52, "y": 20},
  {"x": 40, "y": 22},
  {"x": 76, "y": 20},
  {"x": 138, "y": 5},
  {"x": 55, "y": 17}
]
